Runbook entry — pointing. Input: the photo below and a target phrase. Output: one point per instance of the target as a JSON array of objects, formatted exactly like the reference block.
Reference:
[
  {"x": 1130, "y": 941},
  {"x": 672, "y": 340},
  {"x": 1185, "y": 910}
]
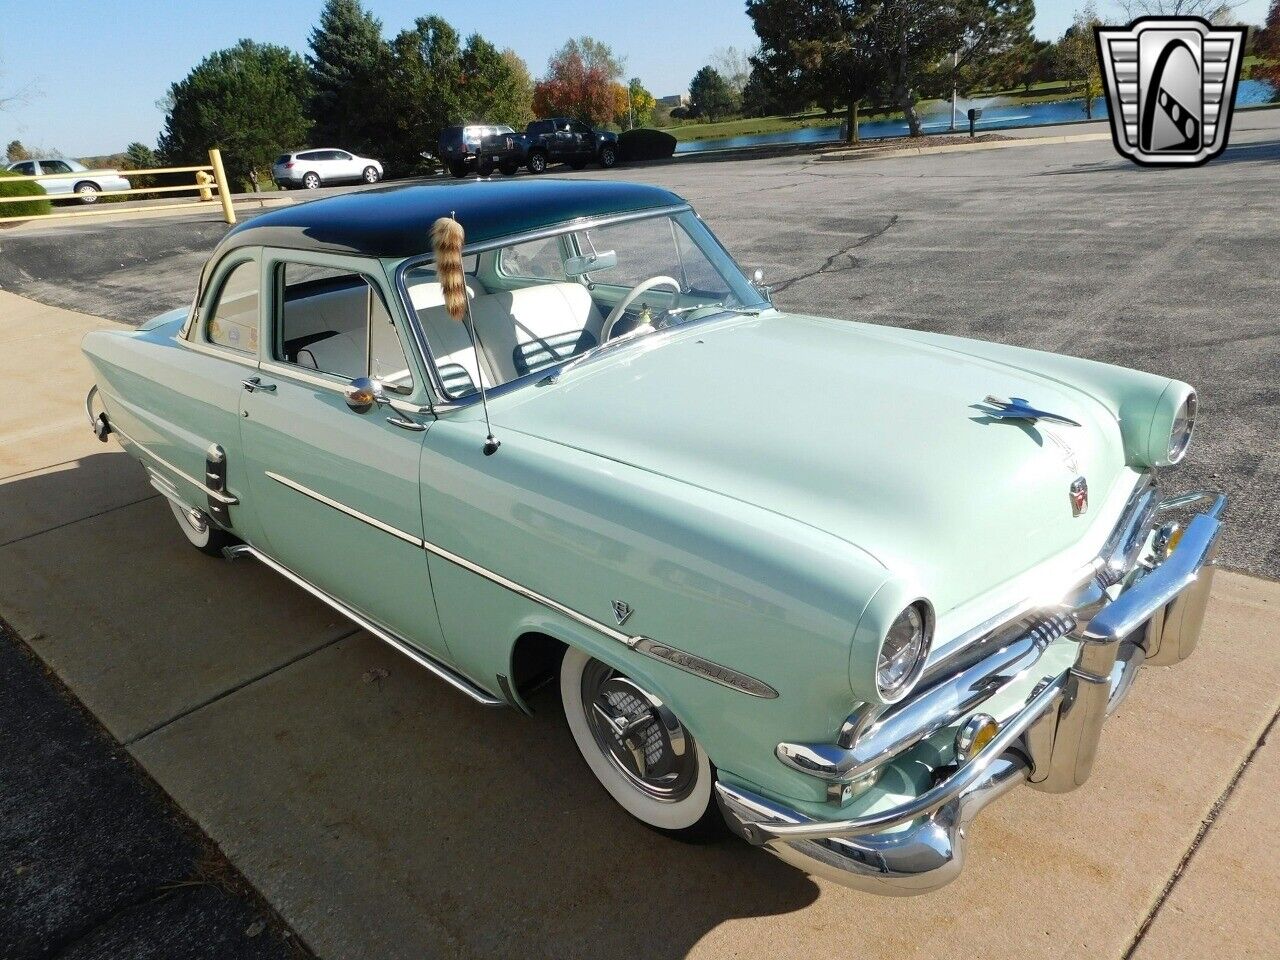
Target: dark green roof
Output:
[{"x": 396, "y": 221}]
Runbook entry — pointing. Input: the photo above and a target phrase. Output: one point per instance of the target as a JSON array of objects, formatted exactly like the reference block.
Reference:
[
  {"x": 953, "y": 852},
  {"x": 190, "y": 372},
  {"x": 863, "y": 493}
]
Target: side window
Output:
[
  {"x": 578, "y": 127},
  {"x": 233, "y": 322},
  {"x": 535, "y": 260},
  {"x": 26, "y": 169},
  {"x": 335, "y": 321},
  {"x": 54, "y": 166}
]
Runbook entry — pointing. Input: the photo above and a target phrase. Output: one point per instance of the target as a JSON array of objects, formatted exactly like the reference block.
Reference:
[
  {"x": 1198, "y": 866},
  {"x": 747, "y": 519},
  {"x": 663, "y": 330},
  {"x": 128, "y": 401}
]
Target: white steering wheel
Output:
[{"x": 644, "y": 285}]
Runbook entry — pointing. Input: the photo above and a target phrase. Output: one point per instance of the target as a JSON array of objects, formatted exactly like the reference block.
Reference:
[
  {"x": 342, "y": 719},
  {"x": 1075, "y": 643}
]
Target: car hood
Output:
[{"x": 874, "y": 437}]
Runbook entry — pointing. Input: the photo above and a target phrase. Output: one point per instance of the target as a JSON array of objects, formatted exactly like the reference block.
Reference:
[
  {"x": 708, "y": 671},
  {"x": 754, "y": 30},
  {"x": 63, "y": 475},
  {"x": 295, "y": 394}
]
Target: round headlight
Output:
[
  {"x": 1184, "y": 424},
  {"x": 903, "y": 652}
]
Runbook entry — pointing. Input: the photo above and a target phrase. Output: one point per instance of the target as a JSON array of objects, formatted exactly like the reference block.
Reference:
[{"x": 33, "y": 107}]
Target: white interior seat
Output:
[
  {"x": 522, "y": 331},
  {"x": 449, "y": 340}
]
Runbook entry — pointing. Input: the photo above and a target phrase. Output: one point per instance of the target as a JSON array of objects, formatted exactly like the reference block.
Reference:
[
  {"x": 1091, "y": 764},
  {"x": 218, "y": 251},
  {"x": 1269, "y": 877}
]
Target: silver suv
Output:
[{"x": 313, "y": 168}]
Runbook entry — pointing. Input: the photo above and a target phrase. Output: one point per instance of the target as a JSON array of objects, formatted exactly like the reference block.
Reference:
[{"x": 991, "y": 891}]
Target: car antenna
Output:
[{"x": 447, "y": 239}]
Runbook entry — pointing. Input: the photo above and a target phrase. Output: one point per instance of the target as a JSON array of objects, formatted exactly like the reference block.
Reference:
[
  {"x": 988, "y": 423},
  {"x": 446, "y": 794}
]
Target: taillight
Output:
[{"x": 289, "y": 165}]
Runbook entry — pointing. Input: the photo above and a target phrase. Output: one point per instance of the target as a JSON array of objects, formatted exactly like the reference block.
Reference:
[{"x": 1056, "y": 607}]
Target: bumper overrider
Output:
[{"x": 1142, "y": 602}]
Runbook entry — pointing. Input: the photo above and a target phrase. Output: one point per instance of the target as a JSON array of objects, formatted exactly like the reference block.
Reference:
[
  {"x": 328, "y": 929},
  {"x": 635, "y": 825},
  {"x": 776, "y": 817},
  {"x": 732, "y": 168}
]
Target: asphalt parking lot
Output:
[{"x": 382, "y": 816}]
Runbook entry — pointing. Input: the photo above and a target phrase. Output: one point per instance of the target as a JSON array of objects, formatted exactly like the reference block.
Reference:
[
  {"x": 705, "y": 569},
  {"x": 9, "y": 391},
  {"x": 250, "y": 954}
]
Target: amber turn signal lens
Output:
[{"x": 974, "y": 736}]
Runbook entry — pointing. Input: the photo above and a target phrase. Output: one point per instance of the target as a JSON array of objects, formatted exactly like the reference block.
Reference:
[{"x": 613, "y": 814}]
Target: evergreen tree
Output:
[
  {"x": 710, "y": 95},
  {"x": 348, "y": 64},
  {"x": 421, "y": 92},
  {"x": 248, "y": 100},
  {"x": 492, "y": 88}
]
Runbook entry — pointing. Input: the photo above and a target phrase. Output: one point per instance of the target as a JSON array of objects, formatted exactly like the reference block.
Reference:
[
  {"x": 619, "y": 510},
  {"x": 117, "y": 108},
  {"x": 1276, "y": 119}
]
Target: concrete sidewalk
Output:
[{"x": 384, "y": 816}]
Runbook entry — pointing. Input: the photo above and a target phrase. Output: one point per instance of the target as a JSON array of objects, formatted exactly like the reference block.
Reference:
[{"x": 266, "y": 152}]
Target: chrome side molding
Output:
[{"x": 450, "y": 676}]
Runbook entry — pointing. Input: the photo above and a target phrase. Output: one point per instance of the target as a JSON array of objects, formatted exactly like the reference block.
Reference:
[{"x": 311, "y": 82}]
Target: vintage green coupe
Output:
[{"x": 840, "y": 584}]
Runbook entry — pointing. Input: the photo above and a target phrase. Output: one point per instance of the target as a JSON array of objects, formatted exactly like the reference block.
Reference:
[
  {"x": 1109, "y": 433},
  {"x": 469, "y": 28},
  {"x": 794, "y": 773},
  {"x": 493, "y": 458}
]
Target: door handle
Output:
[
  {"x": 254, "y": 384},
  {"x": 405, "y": 424}
]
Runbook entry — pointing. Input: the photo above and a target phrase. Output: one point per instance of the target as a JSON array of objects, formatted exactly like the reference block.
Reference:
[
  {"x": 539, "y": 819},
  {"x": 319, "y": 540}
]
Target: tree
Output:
[
  {"x": 710, "y": 96},
  {"x": 138, "y": 156},
  {"x": 1267, "y": 47},
  {"x": 1215, "y": 11},
  {"x": 347, "y": 66},
  {"x": 522, "y": 86},
  {"x": 812, "y": 52},
  {"x": 422, "y": 92},
  {"x": 579, "y": 82},
  {"x": 493, "y": 85},
  {"x": 1078, "y": 55},
  {"x": 248, "y": 100},
  {"x": 735, "y": 66},
  {"x": 842, "y": 51},
  {"x": 16, "y": 151},
  {"x": 642, "y": 104}
]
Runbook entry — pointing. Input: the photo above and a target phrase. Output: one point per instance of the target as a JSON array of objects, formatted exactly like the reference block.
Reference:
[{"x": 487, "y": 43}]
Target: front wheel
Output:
[
  {"x": 201, "y": 533},
  {"x": 458, "y": 170},
  {"x": 608, "y": 157},
  {"x": 638, "y": 750},
  {"x": 537, "y": 163},
  {"x": 371, "y": 175}
]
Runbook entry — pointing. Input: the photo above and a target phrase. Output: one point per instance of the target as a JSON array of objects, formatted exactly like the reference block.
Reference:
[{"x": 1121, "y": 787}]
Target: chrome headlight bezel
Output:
[
  {"x": 919, "y": 643},
  {"x": 1182, "y": 429}
]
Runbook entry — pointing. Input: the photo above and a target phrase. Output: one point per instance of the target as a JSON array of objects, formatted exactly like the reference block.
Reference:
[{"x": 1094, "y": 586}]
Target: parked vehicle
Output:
[
  {"x": 70, "y": 178},
  {"x": 312, "y": 169},
  {"x": 847, "y": 616},
  {"x": 544, "y": 142},
  {"x": 459, "y": 147}
]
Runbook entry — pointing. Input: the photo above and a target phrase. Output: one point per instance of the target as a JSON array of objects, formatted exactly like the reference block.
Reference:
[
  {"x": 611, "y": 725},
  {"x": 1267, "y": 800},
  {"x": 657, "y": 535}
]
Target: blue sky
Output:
[{"x": 97, "y": 69}]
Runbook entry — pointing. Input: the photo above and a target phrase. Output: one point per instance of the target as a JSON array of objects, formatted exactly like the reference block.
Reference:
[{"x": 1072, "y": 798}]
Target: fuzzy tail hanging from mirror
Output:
[{"x": 447, "y": 240}]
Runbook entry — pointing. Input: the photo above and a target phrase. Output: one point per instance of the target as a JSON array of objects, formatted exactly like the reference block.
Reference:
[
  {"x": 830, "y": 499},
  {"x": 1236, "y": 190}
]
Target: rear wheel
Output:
[
  {"x": 641, "y": 754},
  {"x": 509, "y": 168},
  {"x": 201, "y": 533},
  {"x": 371, "y": 175},
  {"x": 459, "y": 170},
  {"x": 311, "y": 181},
  {"x": 87, "y": 192},
  {"x": 537, "y": 162},
  {"x": 578, "y": 164},
  {"x": 484, "y": 168}
]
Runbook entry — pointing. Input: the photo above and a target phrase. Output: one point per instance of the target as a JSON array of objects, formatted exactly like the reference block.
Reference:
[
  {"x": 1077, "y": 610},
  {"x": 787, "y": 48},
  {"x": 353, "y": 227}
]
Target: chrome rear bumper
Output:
[{"x": 1049, "y": 742}]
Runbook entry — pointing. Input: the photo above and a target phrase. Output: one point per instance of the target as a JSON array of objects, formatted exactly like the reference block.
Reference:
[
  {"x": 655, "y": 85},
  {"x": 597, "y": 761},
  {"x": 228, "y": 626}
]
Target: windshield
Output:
[{"x": 538, "y": 303}]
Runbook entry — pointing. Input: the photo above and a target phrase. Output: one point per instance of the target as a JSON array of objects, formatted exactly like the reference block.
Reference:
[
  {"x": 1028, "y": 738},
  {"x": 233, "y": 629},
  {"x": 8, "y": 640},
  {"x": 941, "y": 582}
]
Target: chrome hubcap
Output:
[{"x": 638, "y": 733}]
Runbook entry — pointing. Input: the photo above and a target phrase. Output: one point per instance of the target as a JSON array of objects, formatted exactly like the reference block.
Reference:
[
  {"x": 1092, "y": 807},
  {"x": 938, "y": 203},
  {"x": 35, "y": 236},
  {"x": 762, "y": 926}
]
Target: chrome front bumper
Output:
[{"x": 1049, "y": 742}]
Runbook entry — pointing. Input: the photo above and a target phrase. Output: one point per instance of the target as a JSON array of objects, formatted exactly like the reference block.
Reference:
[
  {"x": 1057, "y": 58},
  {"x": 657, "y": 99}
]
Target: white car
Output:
[
  {"x": 86, "y": 187},
  {"x": 314, "y": 168}
]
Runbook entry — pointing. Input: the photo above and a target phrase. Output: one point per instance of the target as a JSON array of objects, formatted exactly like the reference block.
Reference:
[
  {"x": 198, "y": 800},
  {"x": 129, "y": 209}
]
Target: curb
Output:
[{"x": 864, "y": 154}]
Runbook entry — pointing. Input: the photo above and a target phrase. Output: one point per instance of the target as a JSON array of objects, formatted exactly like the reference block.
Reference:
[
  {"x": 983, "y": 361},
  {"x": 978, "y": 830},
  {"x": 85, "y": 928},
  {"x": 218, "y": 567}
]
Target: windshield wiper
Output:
[{"x": 677, "y": 311}]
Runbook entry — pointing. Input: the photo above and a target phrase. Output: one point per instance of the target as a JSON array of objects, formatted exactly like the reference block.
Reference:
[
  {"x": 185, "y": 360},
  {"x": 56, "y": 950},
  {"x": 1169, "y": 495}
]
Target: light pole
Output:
[{"x": 955, "y": 60}]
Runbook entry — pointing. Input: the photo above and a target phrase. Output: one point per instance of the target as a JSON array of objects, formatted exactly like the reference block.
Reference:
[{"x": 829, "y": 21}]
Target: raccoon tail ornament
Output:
[{"x": 447, "y": 240}]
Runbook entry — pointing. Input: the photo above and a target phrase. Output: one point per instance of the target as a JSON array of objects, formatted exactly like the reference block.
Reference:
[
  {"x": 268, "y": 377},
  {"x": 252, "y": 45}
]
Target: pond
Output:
[{"x": 995, "y": 116}]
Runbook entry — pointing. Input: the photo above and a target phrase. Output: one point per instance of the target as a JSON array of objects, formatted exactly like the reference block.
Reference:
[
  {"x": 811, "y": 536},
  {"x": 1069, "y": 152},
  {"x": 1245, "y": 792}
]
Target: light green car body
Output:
[{"x": 765, "y": 492}]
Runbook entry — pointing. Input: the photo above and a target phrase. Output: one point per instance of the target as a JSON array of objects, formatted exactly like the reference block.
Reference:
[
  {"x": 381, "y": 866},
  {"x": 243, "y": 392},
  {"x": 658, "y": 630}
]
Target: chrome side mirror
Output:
[{"x": 363, "y": 394}]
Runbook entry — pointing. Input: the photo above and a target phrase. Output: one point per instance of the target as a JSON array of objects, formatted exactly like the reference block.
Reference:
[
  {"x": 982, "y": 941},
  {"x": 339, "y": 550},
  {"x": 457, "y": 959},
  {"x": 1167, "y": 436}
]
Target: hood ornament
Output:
[
  {"x": 621, "y": 611},
  {"x": 1018, "y": 409}
]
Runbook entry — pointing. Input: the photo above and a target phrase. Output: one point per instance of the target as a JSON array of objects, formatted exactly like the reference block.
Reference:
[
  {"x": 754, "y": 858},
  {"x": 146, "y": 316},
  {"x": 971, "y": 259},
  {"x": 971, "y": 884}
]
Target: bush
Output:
[
  {"x": 23, "y": 188},
  {"x": 679, "y": 113},
  {"x": 646, "y": 144}
]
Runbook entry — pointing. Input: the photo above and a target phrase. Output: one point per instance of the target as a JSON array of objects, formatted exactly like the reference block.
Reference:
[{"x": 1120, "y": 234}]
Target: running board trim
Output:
[{"x": 447, "y": 674}]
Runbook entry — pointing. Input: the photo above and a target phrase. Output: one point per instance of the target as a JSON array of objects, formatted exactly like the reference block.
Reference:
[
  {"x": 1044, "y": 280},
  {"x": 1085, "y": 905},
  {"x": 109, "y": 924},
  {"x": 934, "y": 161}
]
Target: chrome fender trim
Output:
[
  {"x": 445, "y": 673},
  {"x": 654, "y": 649}
]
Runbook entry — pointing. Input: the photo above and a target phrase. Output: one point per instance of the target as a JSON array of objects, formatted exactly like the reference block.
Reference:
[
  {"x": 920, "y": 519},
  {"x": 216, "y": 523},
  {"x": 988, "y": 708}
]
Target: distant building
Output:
[{"x": 675, "y": 100}]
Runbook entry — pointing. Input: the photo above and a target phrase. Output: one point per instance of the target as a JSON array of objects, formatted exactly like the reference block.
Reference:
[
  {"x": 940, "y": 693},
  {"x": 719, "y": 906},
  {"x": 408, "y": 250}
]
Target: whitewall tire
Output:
[
  {"x": 200, "y": 532},
  {"x": 641, "y": 754}
]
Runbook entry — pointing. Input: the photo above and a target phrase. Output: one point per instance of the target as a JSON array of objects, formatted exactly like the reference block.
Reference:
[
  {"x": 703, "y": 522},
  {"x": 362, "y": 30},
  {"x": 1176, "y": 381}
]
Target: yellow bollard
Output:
[
  {"x": 204, "y": 179},
  {"x": 220, "y": 176}
]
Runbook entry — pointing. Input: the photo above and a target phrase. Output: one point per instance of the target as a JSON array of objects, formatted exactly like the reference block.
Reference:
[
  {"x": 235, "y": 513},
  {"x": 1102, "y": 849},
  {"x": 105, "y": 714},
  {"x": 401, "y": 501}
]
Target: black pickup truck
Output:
[{"x": 544, "y": 142}]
